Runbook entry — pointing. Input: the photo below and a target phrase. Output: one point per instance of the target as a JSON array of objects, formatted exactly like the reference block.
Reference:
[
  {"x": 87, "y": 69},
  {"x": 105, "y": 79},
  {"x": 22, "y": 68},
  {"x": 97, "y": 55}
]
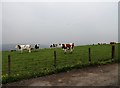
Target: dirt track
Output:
[{"x": 105, "y": 75}]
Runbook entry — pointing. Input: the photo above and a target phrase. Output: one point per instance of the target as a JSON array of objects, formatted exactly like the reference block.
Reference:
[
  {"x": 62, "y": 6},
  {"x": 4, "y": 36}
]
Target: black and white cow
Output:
[
  {"x": 55, "y": 45},
  {"x": 23, "y": 47},
  {"x": 37, "y": 46},
  {"x": 68, "y": 46}
]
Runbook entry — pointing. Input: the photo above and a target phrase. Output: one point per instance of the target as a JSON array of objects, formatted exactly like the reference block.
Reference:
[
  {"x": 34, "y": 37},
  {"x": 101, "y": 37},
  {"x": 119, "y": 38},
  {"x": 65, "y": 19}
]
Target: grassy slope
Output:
[{"x": 40, "y": 63}]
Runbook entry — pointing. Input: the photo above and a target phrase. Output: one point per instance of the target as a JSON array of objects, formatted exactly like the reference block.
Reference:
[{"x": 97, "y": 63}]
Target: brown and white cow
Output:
[{"x": 68, "y": 46}]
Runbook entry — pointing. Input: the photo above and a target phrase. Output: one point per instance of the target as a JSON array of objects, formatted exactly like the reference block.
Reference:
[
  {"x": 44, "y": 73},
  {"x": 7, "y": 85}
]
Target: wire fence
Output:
[{"x": 42, "y": 62}]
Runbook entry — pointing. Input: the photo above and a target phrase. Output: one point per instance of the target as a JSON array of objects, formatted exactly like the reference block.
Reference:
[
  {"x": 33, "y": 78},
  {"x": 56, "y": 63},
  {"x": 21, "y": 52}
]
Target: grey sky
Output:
[{"x": 59, "y": 22}]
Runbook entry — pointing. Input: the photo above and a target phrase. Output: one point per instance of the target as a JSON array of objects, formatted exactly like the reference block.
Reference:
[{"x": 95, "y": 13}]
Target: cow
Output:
[
  {"x": 23, "y": 47},
  {"x": 98, "y": 43},
  {"x": 37, "y": 46},
  {"x": 68, "y": 46},
  {"x": 53, "y": 45},
  {"x": 56, "y": 45},
  {"x": 112, "y": 42}
]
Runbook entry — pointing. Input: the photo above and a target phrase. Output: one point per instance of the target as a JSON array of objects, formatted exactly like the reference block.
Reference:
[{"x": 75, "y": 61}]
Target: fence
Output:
[{"x": 47, "y": 61}]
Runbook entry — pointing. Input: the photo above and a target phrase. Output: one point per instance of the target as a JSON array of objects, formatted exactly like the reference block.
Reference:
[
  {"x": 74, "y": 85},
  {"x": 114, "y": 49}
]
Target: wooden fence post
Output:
[
  {"x": 9, "y": 61},
  {"x": 54, "y": 58},
  {"x": 113, "y": 52},
  {"x": 89, "y": 55}
]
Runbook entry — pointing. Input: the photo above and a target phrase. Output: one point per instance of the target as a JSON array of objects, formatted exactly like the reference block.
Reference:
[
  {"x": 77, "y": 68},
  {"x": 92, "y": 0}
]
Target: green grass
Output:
[{"x": 40, "y": 63}]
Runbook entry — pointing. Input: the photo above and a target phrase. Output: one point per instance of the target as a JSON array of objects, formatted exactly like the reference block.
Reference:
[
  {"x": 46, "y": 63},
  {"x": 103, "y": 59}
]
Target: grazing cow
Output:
[
  {"x": 23, "y": 47},
  {"x": 98, "y": 43},
  {"x": 53, "y": 45},
  {"x": 112, "y": 42},
  {"x": 37, "y": 46},
  {"x": 68, "y": 46}
]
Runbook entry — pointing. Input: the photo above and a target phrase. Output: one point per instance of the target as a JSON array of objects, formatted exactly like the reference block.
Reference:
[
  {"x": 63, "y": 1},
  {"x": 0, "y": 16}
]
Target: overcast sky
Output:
[{"x": 59, "y": 22}]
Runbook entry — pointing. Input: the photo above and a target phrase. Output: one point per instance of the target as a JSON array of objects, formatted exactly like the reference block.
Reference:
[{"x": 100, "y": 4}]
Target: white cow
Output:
[{"x": 23, "y": 47}]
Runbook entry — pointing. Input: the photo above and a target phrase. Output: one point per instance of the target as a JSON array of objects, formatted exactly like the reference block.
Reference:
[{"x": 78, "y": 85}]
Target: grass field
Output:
[{"x": 40, "y": 63}]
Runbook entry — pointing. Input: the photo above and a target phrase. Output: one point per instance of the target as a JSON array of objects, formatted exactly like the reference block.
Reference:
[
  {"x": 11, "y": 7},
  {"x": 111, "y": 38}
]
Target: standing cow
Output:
[
  {"x": 56, "y": 45},
  {"x": 37, "y": 46},
  {"x": 68, "y": 46},
  {"x": 23, "y": 47},
  {"x": 53, "y": 45}
]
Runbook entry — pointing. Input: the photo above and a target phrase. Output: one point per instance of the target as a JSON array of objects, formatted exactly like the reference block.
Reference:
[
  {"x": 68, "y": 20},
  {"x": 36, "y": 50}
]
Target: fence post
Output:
[
  {"x": 89, "y": 55},
  {"x": 54, "y": 58},
  {"x": 113, "y": 52},
  {"x": 9, "y": 61}
]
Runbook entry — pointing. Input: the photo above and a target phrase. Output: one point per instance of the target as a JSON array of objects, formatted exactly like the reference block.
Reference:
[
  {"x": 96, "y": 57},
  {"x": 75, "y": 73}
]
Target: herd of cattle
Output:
[{"x": 65, "y": 47}]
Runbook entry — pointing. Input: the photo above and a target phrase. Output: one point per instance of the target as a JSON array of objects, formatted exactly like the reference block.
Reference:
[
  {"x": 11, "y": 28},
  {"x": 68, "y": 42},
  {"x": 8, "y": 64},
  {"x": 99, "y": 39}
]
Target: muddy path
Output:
[{"x": 102, "y": 75}]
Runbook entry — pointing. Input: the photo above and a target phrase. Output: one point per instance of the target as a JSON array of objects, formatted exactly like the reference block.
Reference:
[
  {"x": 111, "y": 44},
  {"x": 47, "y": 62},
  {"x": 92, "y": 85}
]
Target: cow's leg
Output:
[
  {"x": 21, "y": 50},
  {"x": 71, "y": 50},
  {"x": 65, "y": 51},
  {"x": 29, "y": 50}
]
